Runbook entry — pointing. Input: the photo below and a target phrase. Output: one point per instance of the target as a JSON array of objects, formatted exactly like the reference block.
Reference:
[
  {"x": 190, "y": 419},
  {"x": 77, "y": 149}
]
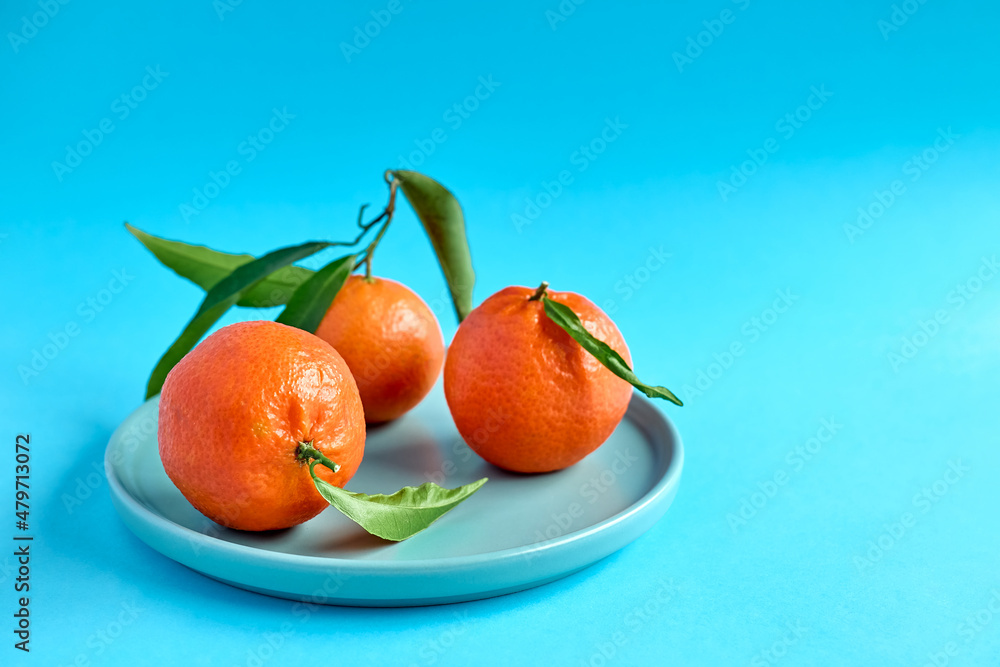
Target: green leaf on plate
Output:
[
  {"x": 220, "y": 298},
  {"x": 399, "y": 516},
  {"x": 571, "y": 324},
  {"x": 206, "y": 267},
  {"x": 312, "y": 299},
  {"x": 441, "y": 216}
]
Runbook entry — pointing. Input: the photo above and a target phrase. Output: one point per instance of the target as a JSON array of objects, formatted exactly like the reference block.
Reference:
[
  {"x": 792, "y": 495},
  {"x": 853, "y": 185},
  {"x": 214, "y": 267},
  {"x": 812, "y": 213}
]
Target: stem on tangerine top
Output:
[
  {"x": 390, "y": 208},
  {"x": 540, "y": 292},
  {"x": 306, "y": 453}
]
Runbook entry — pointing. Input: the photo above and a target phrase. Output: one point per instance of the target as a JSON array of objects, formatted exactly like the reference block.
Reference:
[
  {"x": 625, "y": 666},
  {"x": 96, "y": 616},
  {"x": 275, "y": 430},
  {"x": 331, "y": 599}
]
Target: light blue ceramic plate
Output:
[{"x": 518, "y": 531}]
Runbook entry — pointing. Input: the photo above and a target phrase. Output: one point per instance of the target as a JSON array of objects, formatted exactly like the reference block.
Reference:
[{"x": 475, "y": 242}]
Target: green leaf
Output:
[
  {"x": 565, "y": 317},
  {"x": 195, "y": 329},
  {"x": 399, "y": 516},
  {"x": 312, "y": 299},
  {"x": 441, "y": 216},
  {"x": 220, "y": 298},
  {"x": 206, "y": 267}
]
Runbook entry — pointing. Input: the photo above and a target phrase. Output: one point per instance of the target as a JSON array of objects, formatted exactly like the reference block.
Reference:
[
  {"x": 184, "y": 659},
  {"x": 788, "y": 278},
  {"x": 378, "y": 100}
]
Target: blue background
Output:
[{"x": 808, "y": 556}]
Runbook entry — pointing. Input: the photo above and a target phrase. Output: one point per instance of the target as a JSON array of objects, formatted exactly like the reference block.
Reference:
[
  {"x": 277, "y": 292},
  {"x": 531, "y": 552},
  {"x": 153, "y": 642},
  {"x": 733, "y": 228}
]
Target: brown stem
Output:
[
  {"x": 540, "y": 292},
  {"x": 390, "y": 208}
]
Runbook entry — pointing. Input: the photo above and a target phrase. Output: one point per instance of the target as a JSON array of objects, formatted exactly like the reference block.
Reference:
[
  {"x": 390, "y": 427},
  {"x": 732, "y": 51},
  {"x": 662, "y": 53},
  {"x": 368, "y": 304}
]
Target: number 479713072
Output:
[{"x": 22, "y": 473}]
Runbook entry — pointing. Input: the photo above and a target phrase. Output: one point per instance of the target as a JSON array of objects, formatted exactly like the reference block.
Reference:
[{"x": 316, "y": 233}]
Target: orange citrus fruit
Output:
[
  {"x": 524, "y": 395},
  {"x": 233, "y": 412},
  {"x": 390, "y": 340}
]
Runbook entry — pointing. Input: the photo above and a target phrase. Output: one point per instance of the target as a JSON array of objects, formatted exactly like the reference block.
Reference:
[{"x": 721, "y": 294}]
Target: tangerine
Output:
[
  {"x": 390, "y": 340},
  {"x": 524, "y": 395},
  {"x": 233, "y": 412}
]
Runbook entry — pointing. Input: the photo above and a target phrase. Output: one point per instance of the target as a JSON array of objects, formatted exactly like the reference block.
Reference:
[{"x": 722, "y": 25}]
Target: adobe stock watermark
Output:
[
  {"x": 84, "y": 486},
  {"x": 786, "y": 126},
  {"x": 634, "y": 280},
  {"x": 640, "y": 616},
  {"x": 562, "y": 12},
  {"x": 60, "y": 339},
  {"x": 967, "y": 631},
  {"x": 780, "y": 648},
  {"x": 590, "y": 491},
  {"x": 248, "y": 149},
  {"x": 795, "y": 460},
  {"x": 122, "y": 107},
  {"x": 7, "y": 570},
  {"x": 223, "y": 7},
  {"x": 964, "y": 292},
  {"x": 461, "y": 452},
  {"x": 100, "y": 641},
  {"x": 714, "y": 27},
  {"x": 752, "y": 329},
  {"x": 454, "y": 116},
  {"x": 364, "y": 34},
  {"x": 324, "y": 594},
  {"x": 434, "y": 648},
  {"x": 923, "y": 502},
  {"x": 30, "y": 25},
  {"x": 915, "y": 167},
  {"x": 582, "y": 158},
  {"x": 900, "y": 14},
  {"x": 270, "y": 644},
  {"x": 272, "y": 641}
]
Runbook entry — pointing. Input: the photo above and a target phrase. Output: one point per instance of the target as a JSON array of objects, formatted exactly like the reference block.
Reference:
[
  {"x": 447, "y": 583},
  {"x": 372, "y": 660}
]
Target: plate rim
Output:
[{"x": 642, "y": 412}]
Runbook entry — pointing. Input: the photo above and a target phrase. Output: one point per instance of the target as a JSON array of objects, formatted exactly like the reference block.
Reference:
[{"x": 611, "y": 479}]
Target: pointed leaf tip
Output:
[
  {"x": 441, "y": 216},
  {"x": 564, "y": 316},
  {"x": 398, "y": 516}
]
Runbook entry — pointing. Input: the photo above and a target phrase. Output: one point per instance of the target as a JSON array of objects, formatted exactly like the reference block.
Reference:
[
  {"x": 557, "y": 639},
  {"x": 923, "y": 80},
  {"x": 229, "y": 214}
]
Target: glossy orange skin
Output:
[
  {"x": 390, "y": 340},
  {"x": 234, "y": 410},
  {"x": 524, "y": 395}
]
